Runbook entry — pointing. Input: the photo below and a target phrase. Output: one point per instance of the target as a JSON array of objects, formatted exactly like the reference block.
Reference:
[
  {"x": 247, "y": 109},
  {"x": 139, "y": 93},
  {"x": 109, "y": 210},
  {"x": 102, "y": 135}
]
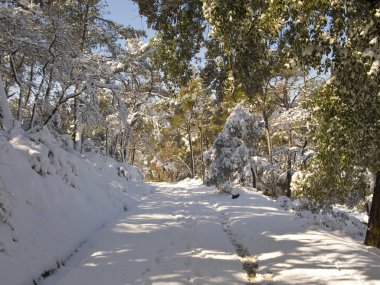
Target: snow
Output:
[
  {"x": 374, "y": 68},
  {"x": 290, "y": 250},
  {"x": 229, "y": 157},
  {"x": 7, "y": 117},
  {"x": 185, "y": 233},
  {"x": 48, "y": 211},
  {"x": 100, "y": 224},
  {"x": 171, "y": 238}
]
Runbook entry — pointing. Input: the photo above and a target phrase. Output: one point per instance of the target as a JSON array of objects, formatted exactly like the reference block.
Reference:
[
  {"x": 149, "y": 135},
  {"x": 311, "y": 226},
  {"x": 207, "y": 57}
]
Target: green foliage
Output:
[
  {"x": 192, "y": 122},
  {"x": 328, "y": 179},
  {"x": 339, "y": 37},
  {"x": 249, "y": 59},
  {"x": 180, "y": 26}
]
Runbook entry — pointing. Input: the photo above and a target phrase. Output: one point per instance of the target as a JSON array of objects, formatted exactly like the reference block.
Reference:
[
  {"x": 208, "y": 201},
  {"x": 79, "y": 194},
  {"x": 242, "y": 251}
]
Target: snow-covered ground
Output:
[
  {"x": 53, "y": 200},
  {"x": 98, "y": 223},
  {"x": 184, "y": 233},
  {"x": 174, "y": 237}
]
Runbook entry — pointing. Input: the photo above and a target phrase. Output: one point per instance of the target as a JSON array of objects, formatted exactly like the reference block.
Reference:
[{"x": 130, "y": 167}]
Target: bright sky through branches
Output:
[{"x": 127, "y": 13}]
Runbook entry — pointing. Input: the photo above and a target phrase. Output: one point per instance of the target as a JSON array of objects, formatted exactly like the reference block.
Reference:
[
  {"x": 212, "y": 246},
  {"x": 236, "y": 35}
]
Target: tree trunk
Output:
[
  {"x": 31, "y": 77},
  {"x": 201, "y": 148},
  {"x": 254, "y": 183},
  {"x": 77, "y": 117},
  {"x": 34, "y": 110},
  {"x": 372, "y": 237},
  {"x": 20, "y": 104},
  {"x": 133, "y": 152},
  {"x": 289, "y": 164},
  {"x": 122, "y": 154},
  {"x": 192, "y": 165},
  {"x": 113, "y": 147},
  {"x": 269, "y": 139},
  {"x": 126, "y": 153},
  {"x": 7, "y": 120},
  {"x": 38, "y": 93},
  {"x": 107, "y": 141},
  {"x": 77, "y": 126},
  {"x": 21, "y": 86}
]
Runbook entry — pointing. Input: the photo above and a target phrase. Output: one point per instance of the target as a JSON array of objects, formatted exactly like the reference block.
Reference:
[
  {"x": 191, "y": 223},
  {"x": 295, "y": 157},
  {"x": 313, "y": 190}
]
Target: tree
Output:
[
  {"x": 7, "y": 120},
  {"x": 340, "y": 37},
  {"x": 189, "y": 121},
  {"x": 180, "y": 30},
  {"x": 48, "y": 63},
  {"x": 229, "y": 158}
]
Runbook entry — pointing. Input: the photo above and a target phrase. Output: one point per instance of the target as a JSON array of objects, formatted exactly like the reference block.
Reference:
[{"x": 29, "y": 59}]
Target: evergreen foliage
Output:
[{"x": 229, "y": 159}]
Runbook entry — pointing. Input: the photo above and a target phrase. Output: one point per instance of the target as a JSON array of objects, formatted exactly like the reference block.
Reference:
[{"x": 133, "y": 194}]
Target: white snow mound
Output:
[{"x": 51, "y": 200}]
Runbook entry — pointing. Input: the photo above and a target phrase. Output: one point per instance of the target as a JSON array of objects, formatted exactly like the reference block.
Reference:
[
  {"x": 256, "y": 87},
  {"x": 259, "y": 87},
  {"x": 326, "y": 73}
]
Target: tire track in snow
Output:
[{"x": 249, "y": 261}]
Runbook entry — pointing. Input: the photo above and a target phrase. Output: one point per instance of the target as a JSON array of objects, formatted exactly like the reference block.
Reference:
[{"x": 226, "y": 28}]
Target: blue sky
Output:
[{"x": 127, "y": 13}]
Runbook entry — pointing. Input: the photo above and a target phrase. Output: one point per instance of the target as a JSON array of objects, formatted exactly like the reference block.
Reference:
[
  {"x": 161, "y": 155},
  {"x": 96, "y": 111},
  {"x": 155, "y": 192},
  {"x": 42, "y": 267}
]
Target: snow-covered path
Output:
[
  {"x": 173, "y": 237},
  {"x": 185, "y": 234}
]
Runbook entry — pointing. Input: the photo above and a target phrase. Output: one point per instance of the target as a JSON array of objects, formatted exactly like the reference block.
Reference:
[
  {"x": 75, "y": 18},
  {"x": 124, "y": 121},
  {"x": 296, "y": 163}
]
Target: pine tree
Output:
[{"x": 229, "y": 158}]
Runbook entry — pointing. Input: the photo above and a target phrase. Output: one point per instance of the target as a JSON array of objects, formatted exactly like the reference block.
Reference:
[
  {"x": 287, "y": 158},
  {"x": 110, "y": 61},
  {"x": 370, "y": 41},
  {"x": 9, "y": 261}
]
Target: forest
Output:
[{"x": 281, "y": 96}]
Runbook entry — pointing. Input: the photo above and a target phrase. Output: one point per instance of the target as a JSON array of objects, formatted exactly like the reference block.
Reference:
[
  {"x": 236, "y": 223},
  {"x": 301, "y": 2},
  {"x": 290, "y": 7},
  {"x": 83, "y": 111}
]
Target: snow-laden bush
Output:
[
  {"x": 88, "y": 145},
  {"x": 67, "y": 143},
  {"x": 5, "y": 204},
  {"x": 129, "y": 172},
  {"x": 47, "y": 157},
  {"x": 267, "y": 176},
  {"x": 229, "y": 159},
  {"x": 334, "y": 218},
  {"x": 6, "y": 225},
  {"x": 349, "y": 186}
]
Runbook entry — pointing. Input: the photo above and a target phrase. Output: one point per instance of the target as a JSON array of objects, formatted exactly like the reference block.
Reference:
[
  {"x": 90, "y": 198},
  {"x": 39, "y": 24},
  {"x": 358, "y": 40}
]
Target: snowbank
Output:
[
  {"x": 339, "y": 218},
  {"x": 293, "y": 249},
  {"x": 51, "y": 200}
]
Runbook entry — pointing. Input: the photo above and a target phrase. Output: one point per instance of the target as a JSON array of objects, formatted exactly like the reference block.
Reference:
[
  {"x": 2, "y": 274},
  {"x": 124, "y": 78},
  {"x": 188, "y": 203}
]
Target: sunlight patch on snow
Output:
[
  {"x": 103, "y": 254},
  {"x": 90, "y": 264},
  {"x": 306, "y": 237},
  {"x": 139, "y": 260},
  {"x": 264, "y": 278},
  {"x": 137, "y": 228},
  {"x": 270, "y": 255},
  {"x": 26, "y": 149},
  {"x": 166, "y": 276},
  {"x": 211, "y": 254},
  {"x": 138, "y": 224},
  {"x": 100, "y": 254},
  {"x": 151, "y": 217},
  {"x": 317, "y": 272},
  {"x": 122, "y": 251}
]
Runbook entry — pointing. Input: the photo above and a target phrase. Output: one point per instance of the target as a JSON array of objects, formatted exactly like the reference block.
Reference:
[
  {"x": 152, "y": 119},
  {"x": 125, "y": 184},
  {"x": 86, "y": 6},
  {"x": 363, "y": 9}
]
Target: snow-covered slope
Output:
[
  {"x": 51, "y": 200},
  {"x": 292, "y": 249}
]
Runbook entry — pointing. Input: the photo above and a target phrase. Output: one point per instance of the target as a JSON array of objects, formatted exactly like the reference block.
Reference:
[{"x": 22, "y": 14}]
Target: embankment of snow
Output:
[
  {"x": 52, "y": 199},
  {"x": 299, "y": 249},
  {"x": 339, "y": 218}
]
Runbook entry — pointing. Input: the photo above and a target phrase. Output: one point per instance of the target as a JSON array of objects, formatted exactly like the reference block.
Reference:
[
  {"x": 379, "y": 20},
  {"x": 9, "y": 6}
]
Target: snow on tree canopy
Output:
[{"x": 230, "y": 158}]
